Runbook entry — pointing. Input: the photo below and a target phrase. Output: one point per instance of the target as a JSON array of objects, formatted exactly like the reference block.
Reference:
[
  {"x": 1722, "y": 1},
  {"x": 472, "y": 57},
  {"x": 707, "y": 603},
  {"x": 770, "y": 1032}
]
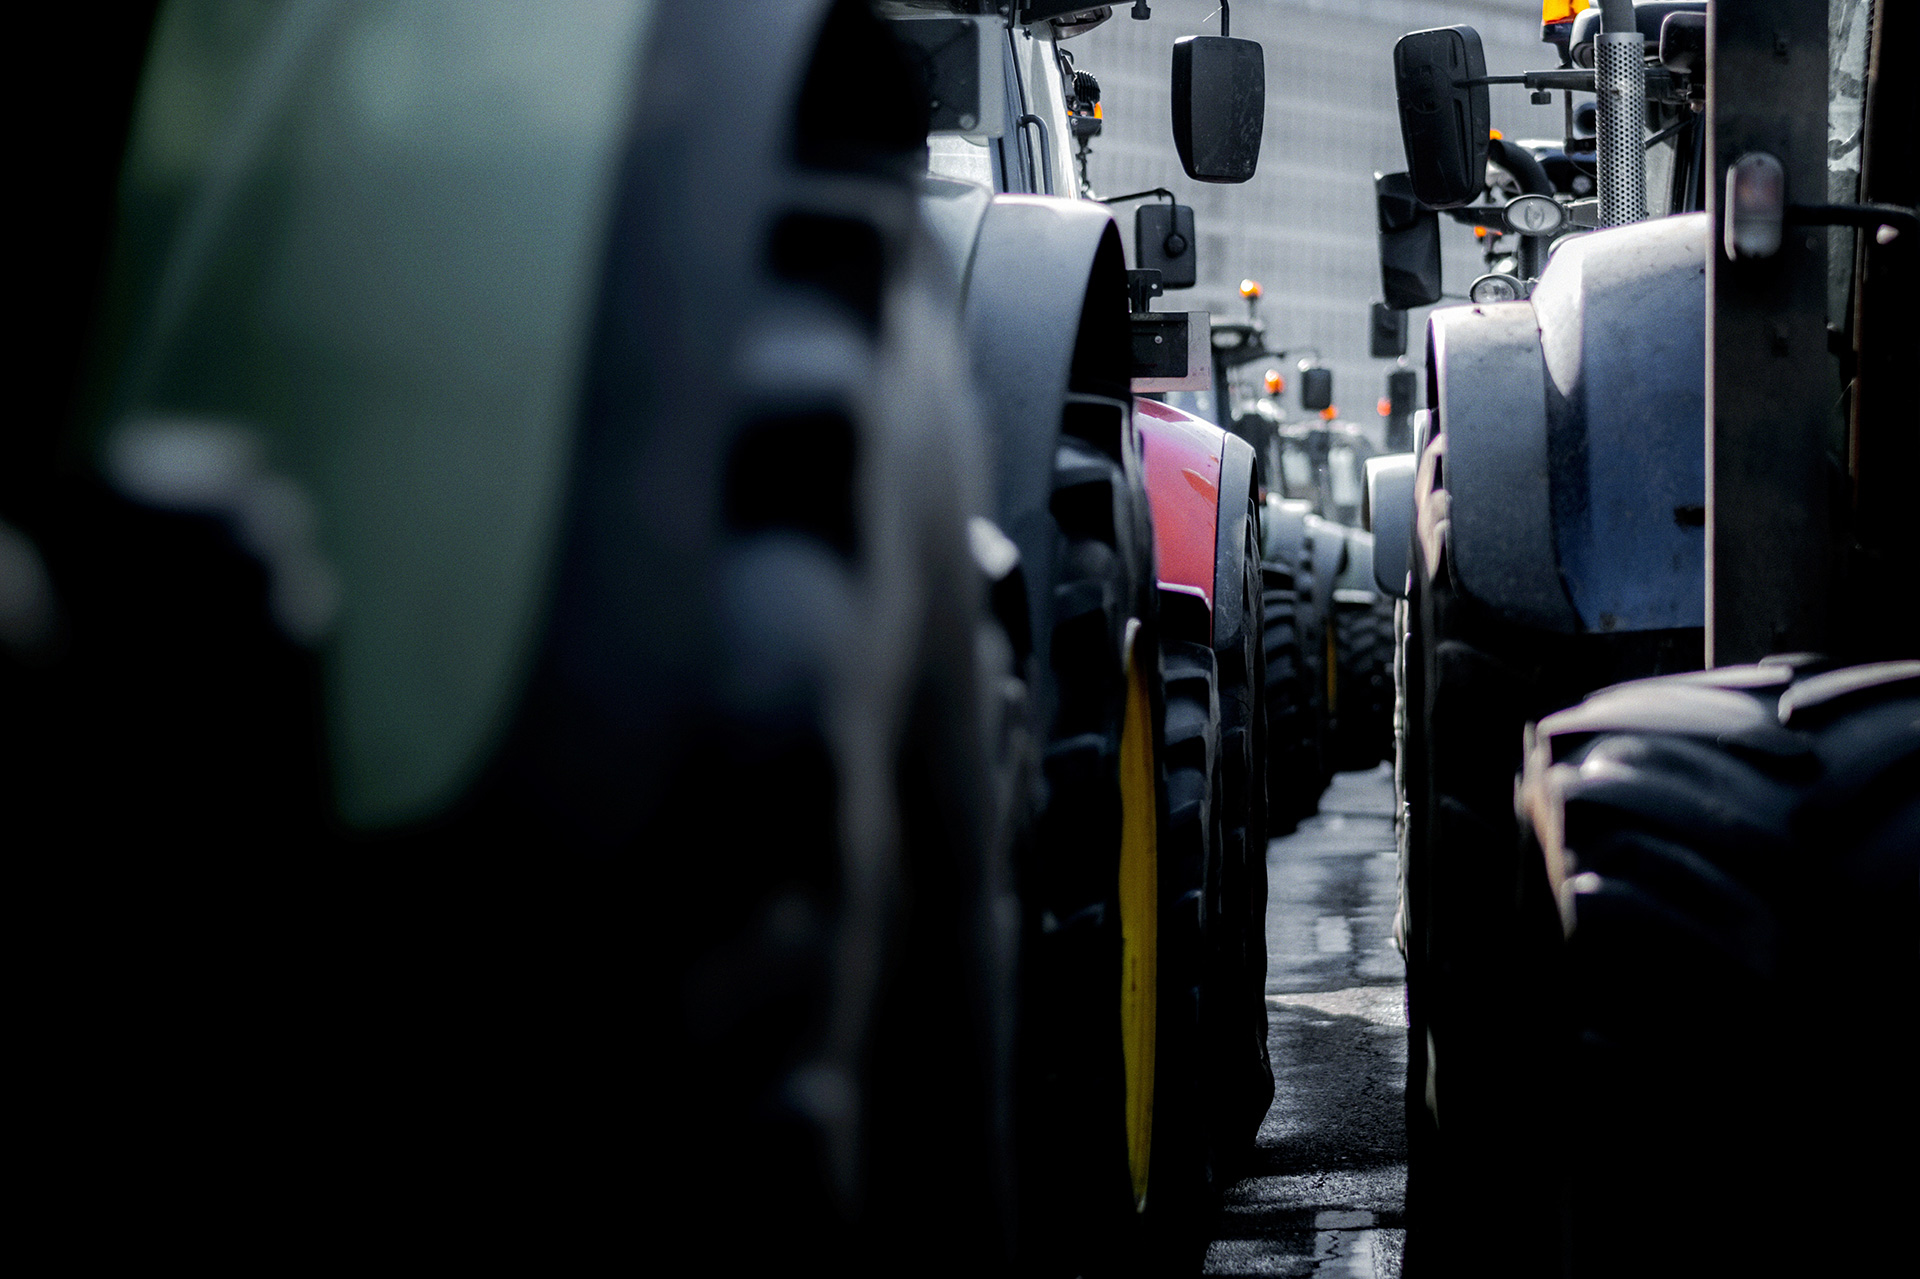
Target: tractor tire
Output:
[
  {"x": 1244, "y": 1090},
  {"x": 1192, "y": 942},
  {"x": 582, "y": 944},
  {"x": 1732, "y": 852},
  {"x": 1076, "y": 1150},
  {"x": 1293, "y": 765},
  {"x": 1313, "y": 613},
  {"x": 1363, "y": 682},
  {"x": 1480, "y": 932}
]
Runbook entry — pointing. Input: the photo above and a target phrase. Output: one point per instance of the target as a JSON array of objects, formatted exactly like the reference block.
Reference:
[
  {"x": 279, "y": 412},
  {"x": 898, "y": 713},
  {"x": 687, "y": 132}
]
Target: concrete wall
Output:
[{"x": 1304, "y": 227}]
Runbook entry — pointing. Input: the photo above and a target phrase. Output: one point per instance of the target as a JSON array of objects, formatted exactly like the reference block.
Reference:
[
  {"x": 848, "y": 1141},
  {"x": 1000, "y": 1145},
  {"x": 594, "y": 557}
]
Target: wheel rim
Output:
[{"x": 1139, "y": 917}]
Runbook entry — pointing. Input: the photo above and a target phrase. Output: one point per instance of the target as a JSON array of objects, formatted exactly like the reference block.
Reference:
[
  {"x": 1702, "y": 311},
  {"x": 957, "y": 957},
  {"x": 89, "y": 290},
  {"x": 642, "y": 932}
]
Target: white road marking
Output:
[{"x": 1381, "y": 1005}]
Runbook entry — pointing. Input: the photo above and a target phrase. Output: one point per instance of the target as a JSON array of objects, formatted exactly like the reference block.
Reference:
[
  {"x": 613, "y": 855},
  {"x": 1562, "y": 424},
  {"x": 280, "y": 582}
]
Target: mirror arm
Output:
[
  {"x": 1578, "y": 81},
  {"x": 1485, "y": 215},
  {"x": 1226, "y": 18},
  {"x": 1139, "y": 195}
]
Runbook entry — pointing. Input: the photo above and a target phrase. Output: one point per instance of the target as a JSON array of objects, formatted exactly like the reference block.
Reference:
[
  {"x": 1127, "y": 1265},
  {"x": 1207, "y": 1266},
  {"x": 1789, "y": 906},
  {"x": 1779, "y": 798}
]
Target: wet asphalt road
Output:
[{"x": 1326, "y": 1193}]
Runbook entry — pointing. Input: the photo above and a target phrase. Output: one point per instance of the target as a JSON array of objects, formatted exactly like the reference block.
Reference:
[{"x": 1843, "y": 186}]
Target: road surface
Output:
[{"x": 1326, "y": 1192}]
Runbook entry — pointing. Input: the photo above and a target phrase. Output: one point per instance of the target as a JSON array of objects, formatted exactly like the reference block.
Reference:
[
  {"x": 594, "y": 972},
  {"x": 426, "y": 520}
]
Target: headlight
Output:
[
  {"x": 1535, "y": 214},
  {"x": 1496, "y": 288}
]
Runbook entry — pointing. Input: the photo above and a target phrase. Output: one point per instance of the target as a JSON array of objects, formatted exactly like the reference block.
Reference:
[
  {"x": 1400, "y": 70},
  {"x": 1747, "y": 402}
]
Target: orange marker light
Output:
[
  {"x": 1386, "y": 407},
  {"x": 1560, "y": 10},
  {"x": 1249, "y": 289},
  {"x": 1495, "y": 133},
  {"x": 1275, "y": 383},
  {"x": 1479, "y": 233},
  {"x": 1096, "y": 112},
  {"x": 1330, "y": 412}
]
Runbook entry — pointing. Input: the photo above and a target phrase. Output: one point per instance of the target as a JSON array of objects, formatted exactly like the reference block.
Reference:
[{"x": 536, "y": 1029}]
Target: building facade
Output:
[{"x": 1304, "y": 226}]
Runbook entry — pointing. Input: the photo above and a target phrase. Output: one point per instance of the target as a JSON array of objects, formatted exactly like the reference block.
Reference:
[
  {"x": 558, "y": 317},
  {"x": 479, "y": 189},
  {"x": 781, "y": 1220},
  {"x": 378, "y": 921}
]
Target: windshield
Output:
[
  {"x": 1296, "y": 470},
  {"x": 1343, "y": 475},
  {"x": 964, "y": 159}
]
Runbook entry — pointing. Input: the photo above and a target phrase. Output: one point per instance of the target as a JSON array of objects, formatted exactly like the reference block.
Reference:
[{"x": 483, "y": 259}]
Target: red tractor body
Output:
[{"x": 1182, "y": 456}]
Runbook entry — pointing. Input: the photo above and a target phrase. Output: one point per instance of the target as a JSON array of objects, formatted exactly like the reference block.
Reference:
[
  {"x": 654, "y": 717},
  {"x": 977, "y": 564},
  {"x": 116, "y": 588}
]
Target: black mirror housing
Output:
[
  {"x": 1163, "y": 241},
  {"x": 1402, "y": 386},
  {"x": 1387, "y": 335},
  {"x": 1444, "y": 121},
  {"x": 1409, "y": 244},
  {"x": 1316, "y": 389},
  {"x": 1219, "y": 106}
]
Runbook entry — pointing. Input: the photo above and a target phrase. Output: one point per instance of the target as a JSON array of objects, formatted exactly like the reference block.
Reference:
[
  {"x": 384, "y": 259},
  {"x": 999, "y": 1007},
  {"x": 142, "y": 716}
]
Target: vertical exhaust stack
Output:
[{"x": 1620, "y": 85}]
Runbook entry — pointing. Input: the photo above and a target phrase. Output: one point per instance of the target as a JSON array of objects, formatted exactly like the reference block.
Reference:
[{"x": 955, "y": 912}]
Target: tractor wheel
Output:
[
  {"x": 1245, "y": 1075},
  {"x": 1089, "y": 890},
  {"x": 1363, "y": 650},
  {"x": 1480, "y": 932},
  {"x": 1292, "y": 761},
  {"x": 1477, "y": 928},
  {"x": 1317, "y": 668},
  {"x": 1732, "y": 853},
  {"x": 1176, "y": 1198}
]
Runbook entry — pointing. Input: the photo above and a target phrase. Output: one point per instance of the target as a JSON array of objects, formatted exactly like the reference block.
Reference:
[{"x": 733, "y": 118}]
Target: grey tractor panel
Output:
[
  {"x": 1622, "y": 316},
  {"x": 1286, "y": 531},
  {"x": 1329, "y": 556},
  {"x": 952, "y": 211},
  {"x": 1490, "y": 397},
  {"x": 1356, "y": 572}
]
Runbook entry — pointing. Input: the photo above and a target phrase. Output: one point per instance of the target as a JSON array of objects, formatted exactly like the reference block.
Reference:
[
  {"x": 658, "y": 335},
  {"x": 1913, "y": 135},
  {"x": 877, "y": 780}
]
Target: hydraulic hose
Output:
[
  {"x": 1620, "y": 88},
  {"x": 1520, "y": 163}
]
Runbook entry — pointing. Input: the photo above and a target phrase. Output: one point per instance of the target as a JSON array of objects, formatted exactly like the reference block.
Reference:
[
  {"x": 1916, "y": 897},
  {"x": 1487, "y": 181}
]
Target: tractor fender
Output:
[
  {"x": 1182, "y": 469},
  {"x": 1045, "y": 318},
  {"x": 1388, "y": 513},
  {"x": 1327, "y": 545},
  {"x": 1238, "y": 487},
  {"x": 1490, "y": 402},
  {"x": 1284, "y": 540},
  {"x": 1575, "y": 426},
  {"x": 1622, "y": 318},
  {"x": 1356, "y": 569}
]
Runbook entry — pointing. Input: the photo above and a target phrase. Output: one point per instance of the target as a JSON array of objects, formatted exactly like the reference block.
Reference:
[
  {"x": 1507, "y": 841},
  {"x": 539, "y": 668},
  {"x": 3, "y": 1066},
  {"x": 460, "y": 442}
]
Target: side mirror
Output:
[
  {"x": 1409, "y": 246},
  {"x": 1219, "y": 106},
  {"x": 1444, "y": 116},
  {"x": 1388, "y": 335},
  {"x": 1402, "y": 386},
  {"x": 1163, "y": 241},
  {"x": 1316, "y": 389}
]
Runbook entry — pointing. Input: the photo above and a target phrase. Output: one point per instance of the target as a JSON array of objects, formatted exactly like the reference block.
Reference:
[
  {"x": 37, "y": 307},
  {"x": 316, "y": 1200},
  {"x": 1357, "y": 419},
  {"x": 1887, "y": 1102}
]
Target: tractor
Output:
[
  {"x": 1132, "y": 580},
  {"x": 1735, "y": 849},
  {"x": 1546, "y": 538},
  {"x": 1597, "y": 502}
]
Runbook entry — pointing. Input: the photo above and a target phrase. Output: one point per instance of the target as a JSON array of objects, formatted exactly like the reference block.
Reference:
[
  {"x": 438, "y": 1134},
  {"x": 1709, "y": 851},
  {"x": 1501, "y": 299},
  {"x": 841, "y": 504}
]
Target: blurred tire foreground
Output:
[
  {"x": 498, "y": 691},
  {"x": 513, "y": 731}
]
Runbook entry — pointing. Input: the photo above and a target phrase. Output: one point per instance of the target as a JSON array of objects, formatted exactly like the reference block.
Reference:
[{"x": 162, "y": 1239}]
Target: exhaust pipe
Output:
[{"x": 1620, "y": 87}]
